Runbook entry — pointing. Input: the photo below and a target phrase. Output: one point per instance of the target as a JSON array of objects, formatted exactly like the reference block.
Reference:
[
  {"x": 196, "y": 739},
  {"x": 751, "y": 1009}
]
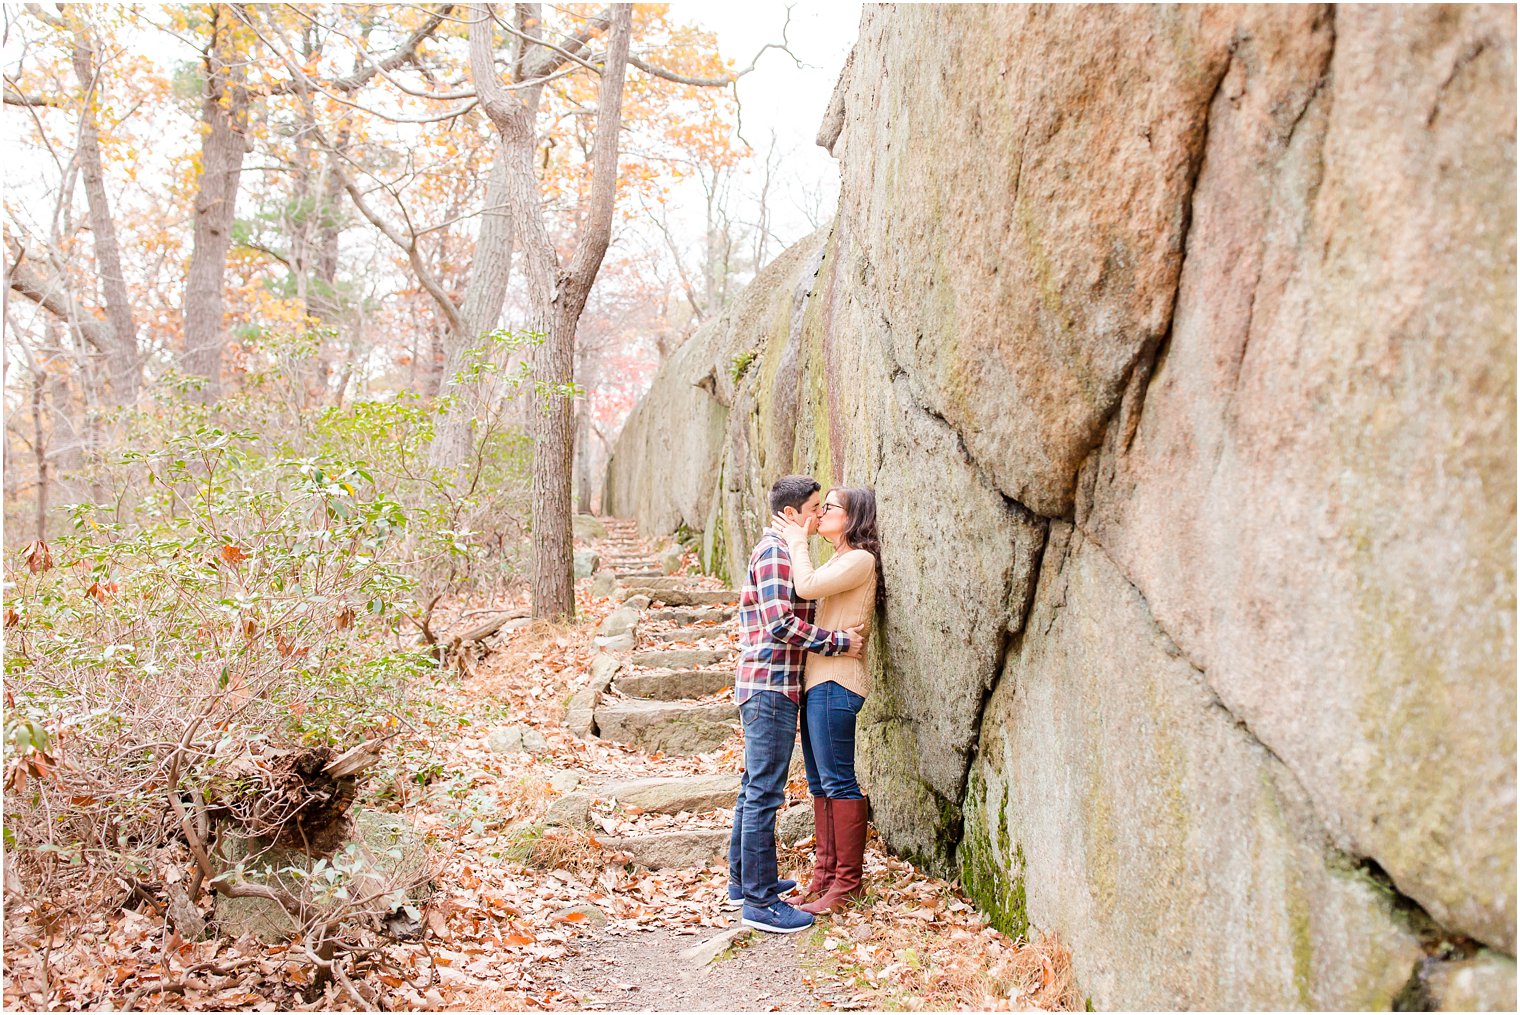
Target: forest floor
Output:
[{"x": 529, "y": 913}]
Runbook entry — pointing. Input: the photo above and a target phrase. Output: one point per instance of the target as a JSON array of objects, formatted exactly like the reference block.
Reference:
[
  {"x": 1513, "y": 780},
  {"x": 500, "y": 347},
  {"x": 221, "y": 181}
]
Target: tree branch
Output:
[
  {"x": 15, "y": 97},
  {"x": 604, "y": 153},
  {"x": 680, "y": 79},
  {"x": 45, "y": 294},
  {"x": 400, "y": 56},
  {"x": 568, "y": 49},
  {"x": 660, "y": 72},
  {"x": 414, "y": 257}
]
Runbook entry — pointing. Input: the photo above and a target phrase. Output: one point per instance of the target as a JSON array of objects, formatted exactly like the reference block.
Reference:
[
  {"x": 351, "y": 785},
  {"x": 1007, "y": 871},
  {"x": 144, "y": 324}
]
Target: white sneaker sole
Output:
[{"x": 776, "y": 930}]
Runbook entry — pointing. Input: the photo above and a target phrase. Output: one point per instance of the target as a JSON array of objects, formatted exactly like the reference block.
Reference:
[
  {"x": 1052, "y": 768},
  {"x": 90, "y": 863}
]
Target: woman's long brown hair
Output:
[{"x": 860, "y": 520}]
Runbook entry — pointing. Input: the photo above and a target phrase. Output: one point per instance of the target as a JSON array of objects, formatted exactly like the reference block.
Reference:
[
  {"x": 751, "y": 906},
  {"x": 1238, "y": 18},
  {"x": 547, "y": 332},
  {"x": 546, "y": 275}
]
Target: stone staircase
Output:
[{"x": 660, "y": 684}]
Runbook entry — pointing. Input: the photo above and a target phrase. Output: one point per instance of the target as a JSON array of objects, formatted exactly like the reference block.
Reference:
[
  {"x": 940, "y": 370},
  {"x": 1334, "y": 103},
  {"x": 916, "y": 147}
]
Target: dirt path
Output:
[{"x": 661, "y": 684}]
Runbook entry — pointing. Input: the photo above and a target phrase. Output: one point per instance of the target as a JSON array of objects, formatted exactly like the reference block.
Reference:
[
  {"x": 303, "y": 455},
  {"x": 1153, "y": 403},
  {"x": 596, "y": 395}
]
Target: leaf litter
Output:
[{"x": 502, "y": 919}]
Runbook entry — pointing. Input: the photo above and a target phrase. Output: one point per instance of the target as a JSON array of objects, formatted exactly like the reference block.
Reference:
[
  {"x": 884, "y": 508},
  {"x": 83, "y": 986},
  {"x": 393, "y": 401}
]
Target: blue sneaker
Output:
[
  {"x": 777, "y": 918},
  {"x": 736, "y": 894}
]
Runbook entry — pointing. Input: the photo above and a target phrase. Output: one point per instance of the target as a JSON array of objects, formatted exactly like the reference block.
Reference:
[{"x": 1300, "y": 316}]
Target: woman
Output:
[{"x": 834, "y": 687}]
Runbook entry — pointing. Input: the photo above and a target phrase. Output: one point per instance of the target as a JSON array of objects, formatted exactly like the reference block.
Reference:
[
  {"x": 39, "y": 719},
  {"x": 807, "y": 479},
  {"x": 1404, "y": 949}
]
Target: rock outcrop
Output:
[{"x": 1179, "y": 346}]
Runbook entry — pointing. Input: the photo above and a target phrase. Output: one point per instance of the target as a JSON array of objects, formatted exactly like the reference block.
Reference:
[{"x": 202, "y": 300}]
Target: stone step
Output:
[
  {"x": 675, "y": 728},
  {"x": 646, "y": 573},
  {"x": 679, "y": 616},
  {"x": 682, "y": 597},
  {"x": 665, "y": 583},
  {"x": 691, "y": 633},
  {"x": 701, "y": 847},
  {"x": 679, "y": 658},
  {"x": 672, "y": 795},
  {"x": 676, "y": 685}
]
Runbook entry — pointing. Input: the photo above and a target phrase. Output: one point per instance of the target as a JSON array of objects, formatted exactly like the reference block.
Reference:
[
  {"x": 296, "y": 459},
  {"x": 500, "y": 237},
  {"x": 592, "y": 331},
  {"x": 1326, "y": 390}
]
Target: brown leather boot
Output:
[
  {"x": 823, "y": 862},
  {"x": 849, "y": 820}
]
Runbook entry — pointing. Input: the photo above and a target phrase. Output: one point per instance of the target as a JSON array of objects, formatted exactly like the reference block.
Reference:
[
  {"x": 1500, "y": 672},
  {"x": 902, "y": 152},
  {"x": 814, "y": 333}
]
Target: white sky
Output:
[{"x": 778, "y": 95}]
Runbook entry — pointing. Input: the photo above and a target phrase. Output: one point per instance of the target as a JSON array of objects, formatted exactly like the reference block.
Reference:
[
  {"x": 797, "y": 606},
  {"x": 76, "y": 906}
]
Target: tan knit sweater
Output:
[{"x": 846, "y": 590}]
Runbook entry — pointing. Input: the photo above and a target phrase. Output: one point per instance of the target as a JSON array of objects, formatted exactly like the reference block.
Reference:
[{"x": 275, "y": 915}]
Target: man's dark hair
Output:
[{"x": 792, "y": 492}]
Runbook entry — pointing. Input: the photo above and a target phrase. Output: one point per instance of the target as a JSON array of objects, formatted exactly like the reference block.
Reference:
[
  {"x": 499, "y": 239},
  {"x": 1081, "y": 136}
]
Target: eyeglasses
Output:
[{"x": 829, "y": 507}]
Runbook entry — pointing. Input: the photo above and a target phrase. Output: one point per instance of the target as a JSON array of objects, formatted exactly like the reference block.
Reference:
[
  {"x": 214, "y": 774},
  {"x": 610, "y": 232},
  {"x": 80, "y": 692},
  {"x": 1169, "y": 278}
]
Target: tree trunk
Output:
[
  {"x": 555, "y": 298},
  {"x": 552, "y": 580},
  {"x": 224, "y": 112},
  {"x": 583, "y": 457},
  {"x": 324, "y": 302},
  {"x": 125, "y": 361},
  {"x": 479, "y": 313},
  {"x": 40, "y": 450}
]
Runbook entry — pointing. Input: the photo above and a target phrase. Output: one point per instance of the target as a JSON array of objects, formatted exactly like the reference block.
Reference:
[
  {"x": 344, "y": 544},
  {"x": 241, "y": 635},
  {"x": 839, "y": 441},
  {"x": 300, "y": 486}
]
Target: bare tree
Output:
[
  {"x": 224, "y": 142},
  {"x": 125, "y": 359},
  {"x": 116, "y": 339},
  {"x": 556, "y": 294}
]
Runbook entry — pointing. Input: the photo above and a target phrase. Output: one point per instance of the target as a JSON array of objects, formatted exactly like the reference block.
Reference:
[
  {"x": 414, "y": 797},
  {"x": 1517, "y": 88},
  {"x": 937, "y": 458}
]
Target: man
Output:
[{"x": 775, "y": 635}]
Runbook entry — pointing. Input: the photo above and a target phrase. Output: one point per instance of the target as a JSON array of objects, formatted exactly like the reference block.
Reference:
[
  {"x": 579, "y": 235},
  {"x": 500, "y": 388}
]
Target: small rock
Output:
[
  {"x": 566, "y": 780},
  {"x": 637, "y": 601},
  {"x": 582, "y": 914},
  {"x": 185, "y": 915},
  {"x": 580, "y": 712},
  {"x": 702, "y": 954},
  {"x": 516, "y": 624},
  {"x": 604, "y": 584},
  {"x": 512, "y": 739},
  {"x": 585, "y": 562},
  {"x": 573, "y": 810},
  {"x": 507, "y": 740},
  {"x": 620, "y": 621},
  {"x": 670, "y": 561},
  {"x": 603, "y": 668},
  {"x": 588, "y": 527},
  {"x": 620, "y": 643}
]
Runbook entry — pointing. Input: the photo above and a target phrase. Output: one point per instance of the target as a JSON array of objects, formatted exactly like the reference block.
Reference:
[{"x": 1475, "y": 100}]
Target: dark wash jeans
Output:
[
  {"x": 828, "y": 740},
  {"x": 770, "y": 728}
]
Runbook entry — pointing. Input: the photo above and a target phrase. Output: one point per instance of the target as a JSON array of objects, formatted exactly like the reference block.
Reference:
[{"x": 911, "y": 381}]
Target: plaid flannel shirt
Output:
[{"x": 775, "y": 627}]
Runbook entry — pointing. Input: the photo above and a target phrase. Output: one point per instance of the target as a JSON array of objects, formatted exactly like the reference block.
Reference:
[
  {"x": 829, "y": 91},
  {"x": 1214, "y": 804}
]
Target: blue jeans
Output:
[
  {"x": 770, "y": 728},
  {"x": 828, "y": 740}
]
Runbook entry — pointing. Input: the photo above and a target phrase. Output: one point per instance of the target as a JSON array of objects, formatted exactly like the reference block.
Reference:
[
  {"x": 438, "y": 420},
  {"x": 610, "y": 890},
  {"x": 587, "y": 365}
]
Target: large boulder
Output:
[{"x": 1179, "y": 833}]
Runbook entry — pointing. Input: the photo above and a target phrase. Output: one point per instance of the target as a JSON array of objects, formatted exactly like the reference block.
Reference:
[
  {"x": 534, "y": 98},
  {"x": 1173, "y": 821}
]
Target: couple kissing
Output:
[{"x": 802, "y": 636}]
